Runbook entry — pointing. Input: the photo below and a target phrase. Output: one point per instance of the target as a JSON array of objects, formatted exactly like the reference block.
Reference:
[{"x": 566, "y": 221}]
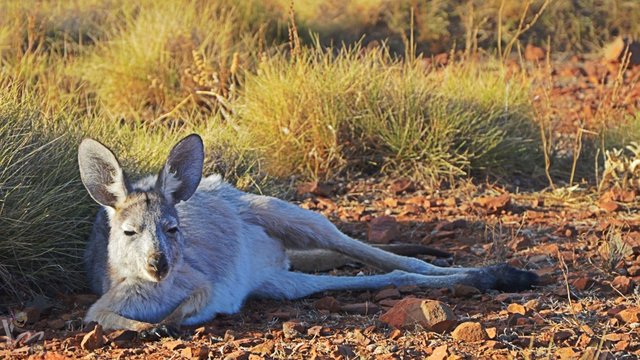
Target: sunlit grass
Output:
[{"x": 320, "y": 114}]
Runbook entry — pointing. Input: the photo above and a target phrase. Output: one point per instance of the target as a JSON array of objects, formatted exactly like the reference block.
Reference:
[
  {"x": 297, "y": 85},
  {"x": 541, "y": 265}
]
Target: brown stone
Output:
[
  {"x": 450, "y": 202},
  {"x": 292, "y": 329},
  {"x": 582, "y": 283},
  {"x": 174, "y": 344},
  {"x": 516, "y": 309},
  {"x": 608, "y": 205},
  {"x": 237, "y": 355},
  {"x": 315, "y": 188},
  {"x": 470, "y": 332},
  {"x": 494, "y": 204},
  {"x": 464, "y": 291},
  {"x": 264, "y": 349},
  {"x": 567, "y": 353},
  {"x": 439, "y": 353},
  {"x": 492, "y": 332},
  {"x": 630, "y": 315},
  {"x": 94, "y": 339},
  {"x": 122, "y": 338},
  {"x": 623, "y": 284},
  {"x": 430, "y": 314},
  {"x": 402, "y": 185},
  {"x": 634, "y": 270},
  {"x": 327, "y": 303},
  {"x": 382, "y": 230},
  {"x": 391, "y": 293},
  {"x": 318, "y": 331},
  {"x": 520, "y": 243}
]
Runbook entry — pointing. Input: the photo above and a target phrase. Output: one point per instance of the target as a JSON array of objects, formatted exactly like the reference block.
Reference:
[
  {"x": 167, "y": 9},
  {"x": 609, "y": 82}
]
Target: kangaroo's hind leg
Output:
[
  {"x": 294, "y": 285},
  {"x": 304, "y": 229}
]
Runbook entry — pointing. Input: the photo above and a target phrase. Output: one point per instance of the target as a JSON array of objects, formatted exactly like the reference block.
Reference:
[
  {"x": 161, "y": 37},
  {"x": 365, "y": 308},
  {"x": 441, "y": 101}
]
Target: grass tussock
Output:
[
  {"x": 44, "y": 214},
  {"x": 319, "y": 114},
  {"x": 156, "y": 62}
]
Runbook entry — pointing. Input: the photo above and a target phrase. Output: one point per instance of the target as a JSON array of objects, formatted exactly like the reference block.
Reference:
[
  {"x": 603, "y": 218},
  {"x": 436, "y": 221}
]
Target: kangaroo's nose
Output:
[{"x": 159, "y": 264}]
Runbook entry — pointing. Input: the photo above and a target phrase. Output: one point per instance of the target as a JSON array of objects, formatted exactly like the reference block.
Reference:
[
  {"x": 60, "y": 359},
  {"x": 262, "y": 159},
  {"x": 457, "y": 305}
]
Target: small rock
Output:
[
  {"x": 382, "y": 230},
  {"x": 264, "y": 349},
  {"x": 561, "y": 336},
  {"x": 391, "y": 293},
  {"x": 327, "y": 303},
  {"x": 315, "y": 188},
  {"x": 464, "y": 291},
  {"x": 318, "y": 331},
  {"x": 567, "y": 353},
  {"x": 237, "y": 355},
  {"x": 451, "y": 225},
  {"x": 401, "y": 185},
  {"x": 450, "y": 202},
  {"x": 430, "y": 314},
  {"x": 514, "y": 308},
  {"x": 187, "y": 353},
  {"x": 121, "y": 338},
  {"x": 582, "y": 283},
  {"x": 439, "y": 353},
  {"x": 174, "y": 345},
  {"x": 608, "y": 205},
  {"x": 533, "y": 304},
  {"x": 94, "y": 339},
  {"x": 520, "y": 243},
  {"x": 630, "y": 315},
  {"x": 634, "y": 270},
  {"x": 494, "y": 204},
  {"x": 492, "y": 332},
  {"x": 292, "y": 329},
  {"x": 622, "y": 284},
  {"x": 470, "y": 332}
]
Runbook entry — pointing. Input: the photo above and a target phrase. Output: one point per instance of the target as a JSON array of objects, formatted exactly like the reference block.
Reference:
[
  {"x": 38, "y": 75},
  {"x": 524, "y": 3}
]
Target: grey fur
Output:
[{"x": 230, "y": 245}]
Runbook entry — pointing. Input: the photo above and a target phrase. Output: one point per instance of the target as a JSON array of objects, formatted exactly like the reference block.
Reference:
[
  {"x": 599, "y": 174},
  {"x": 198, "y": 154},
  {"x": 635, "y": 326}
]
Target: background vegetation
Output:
[{"x": 276, "y": 91}]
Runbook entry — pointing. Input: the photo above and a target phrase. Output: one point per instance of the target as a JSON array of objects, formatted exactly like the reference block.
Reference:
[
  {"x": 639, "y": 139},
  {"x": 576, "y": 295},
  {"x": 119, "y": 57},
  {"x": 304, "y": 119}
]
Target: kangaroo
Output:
[{"x": 177, "y": 249}]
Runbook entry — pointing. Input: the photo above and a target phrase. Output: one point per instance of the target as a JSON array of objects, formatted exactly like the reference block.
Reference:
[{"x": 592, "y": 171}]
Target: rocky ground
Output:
[{"x": 585, "y": 247}]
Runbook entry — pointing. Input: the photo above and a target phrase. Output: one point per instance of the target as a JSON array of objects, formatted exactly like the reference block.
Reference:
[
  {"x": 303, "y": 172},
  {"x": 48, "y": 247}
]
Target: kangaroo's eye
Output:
[
  {"x": 172, "y": 230},
  {"x": 129, "y": 232}
]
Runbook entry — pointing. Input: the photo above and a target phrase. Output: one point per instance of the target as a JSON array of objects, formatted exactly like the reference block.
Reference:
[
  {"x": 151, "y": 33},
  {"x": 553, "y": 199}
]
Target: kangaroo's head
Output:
[{"x": 145, "y": 239}]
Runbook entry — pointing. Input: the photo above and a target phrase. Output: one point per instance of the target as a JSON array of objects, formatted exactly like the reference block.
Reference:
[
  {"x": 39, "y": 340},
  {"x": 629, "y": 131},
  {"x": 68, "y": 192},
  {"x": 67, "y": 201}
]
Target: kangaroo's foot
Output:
[
  {"x": 159, "y": 331},
  {"x": 502, "y": 277}
]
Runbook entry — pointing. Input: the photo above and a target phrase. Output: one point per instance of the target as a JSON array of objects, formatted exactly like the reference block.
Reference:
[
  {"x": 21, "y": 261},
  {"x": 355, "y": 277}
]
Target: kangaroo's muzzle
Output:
[{"x": 158, "y": 265}]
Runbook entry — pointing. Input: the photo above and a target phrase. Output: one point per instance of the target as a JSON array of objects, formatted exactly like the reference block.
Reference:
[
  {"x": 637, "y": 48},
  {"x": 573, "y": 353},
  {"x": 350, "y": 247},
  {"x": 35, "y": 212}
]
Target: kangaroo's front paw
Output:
[{"x": 157, "y": 332}]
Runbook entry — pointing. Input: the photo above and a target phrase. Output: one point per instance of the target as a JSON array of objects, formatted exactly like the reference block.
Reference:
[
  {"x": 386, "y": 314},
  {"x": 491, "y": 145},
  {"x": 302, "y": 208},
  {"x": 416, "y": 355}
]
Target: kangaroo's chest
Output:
[{"x": 151, "y": 302}]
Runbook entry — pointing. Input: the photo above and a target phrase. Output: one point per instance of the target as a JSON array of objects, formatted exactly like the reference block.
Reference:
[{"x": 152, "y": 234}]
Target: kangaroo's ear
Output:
[
  {"x": 101, "y": 173},
  {"x": 181, "y": 175}
]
